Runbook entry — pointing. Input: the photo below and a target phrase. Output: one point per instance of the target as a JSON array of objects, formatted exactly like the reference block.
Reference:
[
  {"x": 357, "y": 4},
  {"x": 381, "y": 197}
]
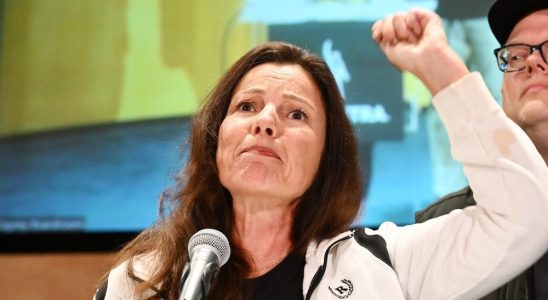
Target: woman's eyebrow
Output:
[
  {"x": 254, "y": 90},
  {"x": 298, "y": 98}
]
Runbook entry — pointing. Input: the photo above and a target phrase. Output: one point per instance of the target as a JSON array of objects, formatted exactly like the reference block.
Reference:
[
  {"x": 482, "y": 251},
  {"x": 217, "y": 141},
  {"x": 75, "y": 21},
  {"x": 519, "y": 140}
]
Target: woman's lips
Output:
[{"x": 265, "y": 151}]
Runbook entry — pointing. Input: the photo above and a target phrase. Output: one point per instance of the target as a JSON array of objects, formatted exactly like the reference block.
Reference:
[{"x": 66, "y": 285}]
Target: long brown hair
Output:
[{"x": 199, "y": 201}]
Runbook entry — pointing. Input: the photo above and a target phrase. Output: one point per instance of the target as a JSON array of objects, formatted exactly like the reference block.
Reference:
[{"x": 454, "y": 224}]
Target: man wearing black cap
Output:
[{"x": 416, "y": 42}]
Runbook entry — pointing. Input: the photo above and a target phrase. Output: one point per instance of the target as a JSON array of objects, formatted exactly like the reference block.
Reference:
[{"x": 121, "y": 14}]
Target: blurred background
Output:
[{"x": 96, "y": 98}]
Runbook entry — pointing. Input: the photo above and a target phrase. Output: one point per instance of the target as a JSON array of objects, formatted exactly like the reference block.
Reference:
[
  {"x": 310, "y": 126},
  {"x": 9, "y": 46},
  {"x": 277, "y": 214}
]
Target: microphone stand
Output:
[{"x": 195, "y": 286}]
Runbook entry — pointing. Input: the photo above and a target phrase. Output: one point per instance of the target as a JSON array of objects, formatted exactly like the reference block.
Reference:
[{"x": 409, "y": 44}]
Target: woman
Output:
[
  {"x": 273, "y": 165},
  {"x": 321, "y": 193}
]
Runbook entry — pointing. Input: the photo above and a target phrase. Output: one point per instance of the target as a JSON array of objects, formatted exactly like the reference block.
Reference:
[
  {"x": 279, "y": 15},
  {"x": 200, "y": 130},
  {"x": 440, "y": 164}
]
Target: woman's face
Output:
[{"x": 272, "y": 138}]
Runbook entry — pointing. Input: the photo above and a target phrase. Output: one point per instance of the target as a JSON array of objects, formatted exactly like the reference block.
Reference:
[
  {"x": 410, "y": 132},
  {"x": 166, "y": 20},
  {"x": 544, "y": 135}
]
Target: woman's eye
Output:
[
  {"x": 297, "y": 115},
  {"x": 244, "y": 106}
]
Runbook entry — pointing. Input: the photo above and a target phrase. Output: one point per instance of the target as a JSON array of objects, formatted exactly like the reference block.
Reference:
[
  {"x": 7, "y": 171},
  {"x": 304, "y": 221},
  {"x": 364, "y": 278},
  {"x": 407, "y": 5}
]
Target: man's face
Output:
[{"x": 525, "y": 93}]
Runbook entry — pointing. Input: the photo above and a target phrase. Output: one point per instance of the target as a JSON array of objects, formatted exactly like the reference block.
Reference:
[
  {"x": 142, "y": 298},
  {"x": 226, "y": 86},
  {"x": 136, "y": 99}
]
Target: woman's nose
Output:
[{"x": 266, "y": 122}]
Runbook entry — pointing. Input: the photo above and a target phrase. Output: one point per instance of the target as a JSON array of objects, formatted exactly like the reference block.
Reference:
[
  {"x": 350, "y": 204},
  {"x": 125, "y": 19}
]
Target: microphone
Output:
[{"x": 209, "y": 250}]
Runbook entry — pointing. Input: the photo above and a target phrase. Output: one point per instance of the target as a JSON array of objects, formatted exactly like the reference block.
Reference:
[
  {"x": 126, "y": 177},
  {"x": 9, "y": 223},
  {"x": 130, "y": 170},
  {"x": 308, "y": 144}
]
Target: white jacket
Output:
[
  {"x": 469, "y": 252},
  {"x": 462, "y": 255}
]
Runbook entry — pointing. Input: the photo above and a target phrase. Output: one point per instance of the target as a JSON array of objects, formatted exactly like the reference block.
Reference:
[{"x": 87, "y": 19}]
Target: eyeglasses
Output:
[{"x": 512, "y": 58}]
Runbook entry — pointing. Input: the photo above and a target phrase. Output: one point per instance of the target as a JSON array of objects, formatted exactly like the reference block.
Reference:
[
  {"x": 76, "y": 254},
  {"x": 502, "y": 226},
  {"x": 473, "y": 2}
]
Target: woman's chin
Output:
[{"x": 258, "y": 180}]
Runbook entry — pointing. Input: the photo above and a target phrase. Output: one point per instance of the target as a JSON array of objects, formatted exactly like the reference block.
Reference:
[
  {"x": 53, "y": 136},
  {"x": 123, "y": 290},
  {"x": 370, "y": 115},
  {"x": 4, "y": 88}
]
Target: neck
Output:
[
  {"x": 263, "y": 231},
  {"x": 539, "y": 136}
]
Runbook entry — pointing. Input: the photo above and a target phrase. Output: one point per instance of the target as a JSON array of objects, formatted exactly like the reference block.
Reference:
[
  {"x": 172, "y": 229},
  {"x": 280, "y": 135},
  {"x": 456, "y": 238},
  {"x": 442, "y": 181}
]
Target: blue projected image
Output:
[{"x": 107, "y": 173}]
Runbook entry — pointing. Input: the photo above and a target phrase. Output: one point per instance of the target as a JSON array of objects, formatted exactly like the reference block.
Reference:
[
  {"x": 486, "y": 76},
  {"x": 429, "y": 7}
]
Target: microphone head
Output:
[{"x": 215, "y": 240}]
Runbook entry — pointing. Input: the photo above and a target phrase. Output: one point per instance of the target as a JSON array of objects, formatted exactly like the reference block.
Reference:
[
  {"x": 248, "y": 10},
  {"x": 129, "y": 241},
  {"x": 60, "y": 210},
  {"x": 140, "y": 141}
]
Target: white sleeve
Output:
[
  {"x": 121, "y": 286},
  {"x": 470, "y": 252}
]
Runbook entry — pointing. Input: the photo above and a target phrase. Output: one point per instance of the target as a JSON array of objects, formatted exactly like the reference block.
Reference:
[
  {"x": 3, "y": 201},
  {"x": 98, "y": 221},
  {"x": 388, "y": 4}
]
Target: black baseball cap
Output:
[{"x": 505, "y": 14}]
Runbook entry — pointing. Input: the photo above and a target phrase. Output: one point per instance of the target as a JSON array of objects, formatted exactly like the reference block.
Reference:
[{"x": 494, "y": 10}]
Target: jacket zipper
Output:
[{"x": 321, "y": 269}]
